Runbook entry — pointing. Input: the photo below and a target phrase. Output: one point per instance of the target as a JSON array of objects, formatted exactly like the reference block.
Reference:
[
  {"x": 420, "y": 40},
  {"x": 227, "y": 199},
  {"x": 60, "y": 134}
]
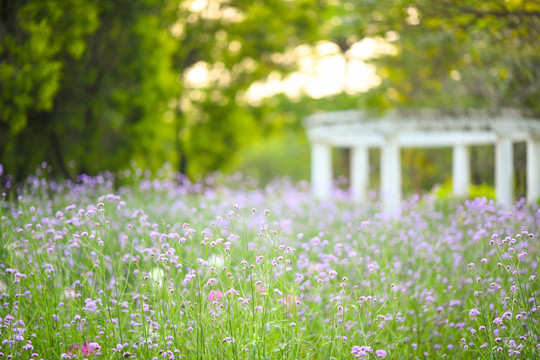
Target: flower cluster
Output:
[{"x": 168, "y": 269}]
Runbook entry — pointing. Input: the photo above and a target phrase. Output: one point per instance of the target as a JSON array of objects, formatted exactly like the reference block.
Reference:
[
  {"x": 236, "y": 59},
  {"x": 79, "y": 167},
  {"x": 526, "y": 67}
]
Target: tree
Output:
[
  {"x": 34, "y": 38},
  {"x": 457, "y": 53},
  {"x": 235, "y": 44},
  {"x": 101, "y": 108},
  {"x": 125, "y": 96}
]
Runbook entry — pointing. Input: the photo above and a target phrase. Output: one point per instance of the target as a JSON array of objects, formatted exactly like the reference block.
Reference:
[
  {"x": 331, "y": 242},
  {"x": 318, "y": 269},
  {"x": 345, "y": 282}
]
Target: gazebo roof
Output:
[{"x": 425, "y": 127}]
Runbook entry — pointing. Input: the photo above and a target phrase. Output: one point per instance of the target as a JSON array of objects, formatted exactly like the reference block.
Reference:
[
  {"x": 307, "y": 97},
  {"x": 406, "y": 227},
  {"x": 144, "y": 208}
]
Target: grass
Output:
[{"x": 161, "y": 270}]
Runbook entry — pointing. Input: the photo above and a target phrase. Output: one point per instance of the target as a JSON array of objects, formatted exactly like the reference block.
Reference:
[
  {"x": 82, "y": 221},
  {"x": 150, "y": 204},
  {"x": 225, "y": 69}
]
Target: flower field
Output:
[{"x": 162, "y": 270}]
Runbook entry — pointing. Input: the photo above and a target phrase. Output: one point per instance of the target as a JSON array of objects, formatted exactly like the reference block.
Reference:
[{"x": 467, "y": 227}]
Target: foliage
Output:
[
  {"x": 119, "y": 91},
  {"x": 35, "y": 35},
  {"x": 105, "y": 101},
  {"x": 92, "y": 85},
  {"x": 476, "y": 191},
  {"x": 276, "y": 157},
  {"x": 455, "y": 53},
  {"x": 215, "y": 116}
]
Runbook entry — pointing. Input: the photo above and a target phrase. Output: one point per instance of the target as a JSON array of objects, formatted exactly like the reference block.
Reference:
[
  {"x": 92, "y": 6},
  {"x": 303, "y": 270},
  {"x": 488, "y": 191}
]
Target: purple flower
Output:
[
  {"x": 361, "y": 350},
  {"x": 380, "y": 353},
  {"x": 507, "y": 314},
  {"x": 474, "y": 312}
]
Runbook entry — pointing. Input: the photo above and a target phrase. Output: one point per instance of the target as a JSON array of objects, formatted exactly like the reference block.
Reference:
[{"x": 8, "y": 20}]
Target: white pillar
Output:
[
  {"x": 391, "y": 174},
  {"x": 321, "y": 170},
  {"x": 533, "y": 170},
  {"x": 461, "y": 170},
  {"x": 504, "y": 170},
  {"x": 359, "y": 172}
]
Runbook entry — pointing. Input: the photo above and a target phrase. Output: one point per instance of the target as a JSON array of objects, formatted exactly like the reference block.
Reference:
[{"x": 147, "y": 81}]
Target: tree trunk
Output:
[
  {"x": 181, "y": 154},
  {"x": 58, "y": 155},
  {"x": 88, "y": 115}
]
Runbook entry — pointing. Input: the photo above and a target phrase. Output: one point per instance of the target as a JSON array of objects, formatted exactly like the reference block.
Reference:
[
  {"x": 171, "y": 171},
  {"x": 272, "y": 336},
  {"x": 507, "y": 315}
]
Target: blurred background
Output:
[{"x": 222, "y": 85}]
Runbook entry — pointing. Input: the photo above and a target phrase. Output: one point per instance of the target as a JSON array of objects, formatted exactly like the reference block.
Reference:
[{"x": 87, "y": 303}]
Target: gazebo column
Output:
[
  {"x": 461, "y": 170},
  {"x": 359, "y": 172},
  {"x": 504, "y": 170},
  {"x": 533, "y": 169},
  {"x": 391, "y": 174},
  {"x": 321, "y": 169}
]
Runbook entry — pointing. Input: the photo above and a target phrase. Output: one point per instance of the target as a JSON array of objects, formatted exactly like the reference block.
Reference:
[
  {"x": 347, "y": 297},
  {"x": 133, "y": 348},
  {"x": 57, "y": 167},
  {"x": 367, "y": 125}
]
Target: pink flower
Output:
[
  {"x": 215, "y": 295},
  {"x": 290, "y": 302},
  {"x": 85, "y": 349},
  {"x": 260, "y": 289}
]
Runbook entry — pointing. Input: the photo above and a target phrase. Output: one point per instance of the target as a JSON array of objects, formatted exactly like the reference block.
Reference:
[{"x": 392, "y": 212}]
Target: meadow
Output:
[{"x": 222, "y": 269}]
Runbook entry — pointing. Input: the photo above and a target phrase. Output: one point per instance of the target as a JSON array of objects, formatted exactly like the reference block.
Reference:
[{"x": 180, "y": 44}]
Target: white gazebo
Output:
[{"x": 461, "y": 129}]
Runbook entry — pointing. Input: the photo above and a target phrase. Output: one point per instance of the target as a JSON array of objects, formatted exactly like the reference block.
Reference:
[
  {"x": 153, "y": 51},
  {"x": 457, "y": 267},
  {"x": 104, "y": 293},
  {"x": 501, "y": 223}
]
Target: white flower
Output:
[
  {"x": 157, "y": 275},
  {"x": 216, "y": 261}
]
